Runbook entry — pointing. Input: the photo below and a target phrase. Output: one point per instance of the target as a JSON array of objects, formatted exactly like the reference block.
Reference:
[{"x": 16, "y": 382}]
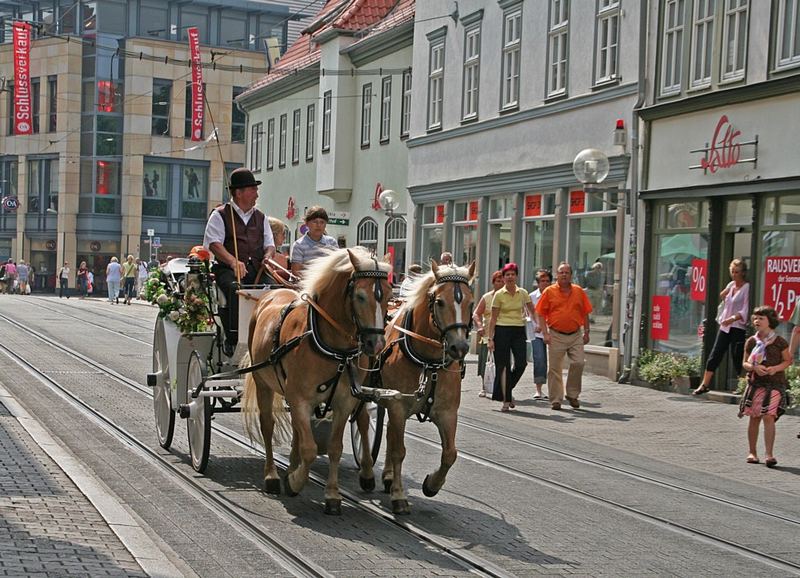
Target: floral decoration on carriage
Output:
[{"x": 179, "y": 290}]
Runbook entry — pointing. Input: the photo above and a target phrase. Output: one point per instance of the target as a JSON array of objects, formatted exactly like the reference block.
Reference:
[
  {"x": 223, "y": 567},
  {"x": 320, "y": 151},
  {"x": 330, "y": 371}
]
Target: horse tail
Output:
[{"x": 251, "y": 411}]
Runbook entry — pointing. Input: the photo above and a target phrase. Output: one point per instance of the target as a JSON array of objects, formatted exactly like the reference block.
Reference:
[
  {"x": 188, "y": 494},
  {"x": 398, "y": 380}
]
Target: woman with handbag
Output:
[
  {"x": 732, "y": 319},
  {"x": 481, "y": 317},
  {"x": 507, "y": 335},
  {"x": 766, "y": 359}
]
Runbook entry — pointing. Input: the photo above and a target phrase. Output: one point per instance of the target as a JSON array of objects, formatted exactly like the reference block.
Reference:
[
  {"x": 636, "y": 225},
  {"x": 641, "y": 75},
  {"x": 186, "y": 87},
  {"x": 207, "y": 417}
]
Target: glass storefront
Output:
[
  {"x": 465, "y": 232},
  {"x": 538, "y": 240},
  {"x": 432, "y": 230}
]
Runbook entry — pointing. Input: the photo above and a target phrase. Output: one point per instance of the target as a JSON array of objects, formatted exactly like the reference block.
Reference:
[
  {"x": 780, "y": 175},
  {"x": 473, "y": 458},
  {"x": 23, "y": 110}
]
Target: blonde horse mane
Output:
[
  {"x": 318, "y": 277},
  {"x": 418, "y": 290}
]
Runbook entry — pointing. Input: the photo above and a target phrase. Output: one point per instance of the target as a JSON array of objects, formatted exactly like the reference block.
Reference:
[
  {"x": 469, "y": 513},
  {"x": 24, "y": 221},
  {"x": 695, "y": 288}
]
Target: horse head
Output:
[
  {"x": 368, "y": 293},
  {"x": 450, "y": 302}
]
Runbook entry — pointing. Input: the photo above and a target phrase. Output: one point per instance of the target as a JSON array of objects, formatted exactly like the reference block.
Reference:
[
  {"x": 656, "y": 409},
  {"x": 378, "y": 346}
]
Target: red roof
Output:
[{"x": 370, "y": 17}]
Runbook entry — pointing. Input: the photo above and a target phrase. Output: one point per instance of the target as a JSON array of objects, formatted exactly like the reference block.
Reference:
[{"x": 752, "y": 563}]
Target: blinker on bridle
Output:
[
  {"x": 379, "y": 276},
  {"x": 458, "y": 296}
]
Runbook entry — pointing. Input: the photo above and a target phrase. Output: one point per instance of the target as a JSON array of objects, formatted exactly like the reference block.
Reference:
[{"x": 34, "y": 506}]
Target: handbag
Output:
[
  {"x": 489, "y": 373},
  {"x": 530, "y": 326}
]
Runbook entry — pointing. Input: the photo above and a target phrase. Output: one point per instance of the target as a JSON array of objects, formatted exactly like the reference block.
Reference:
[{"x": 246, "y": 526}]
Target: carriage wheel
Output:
[
  {"x": 162, "y": 405},
  {"x": 198, "y": 424},
  {"x": 376, "y": 416}
]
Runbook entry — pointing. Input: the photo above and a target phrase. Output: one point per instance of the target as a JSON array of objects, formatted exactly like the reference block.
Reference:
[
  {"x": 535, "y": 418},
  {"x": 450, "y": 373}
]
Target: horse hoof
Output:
[
  {"x": 387, "y": 486},
  {"x": 401, "y": 507},
  {"x": 333, "y": 507},
  {"x": 272, "y": 486},
  {"x": 287, "y": 487},
  {"x": 426, "y": 489},
  {"x": 367, "y": 484}
]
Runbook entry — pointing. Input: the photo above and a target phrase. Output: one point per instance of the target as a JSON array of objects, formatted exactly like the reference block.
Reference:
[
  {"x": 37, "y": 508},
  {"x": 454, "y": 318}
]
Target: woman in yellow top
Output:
[
  {"x": 507, "y": 337},
  {"x": 481, "y": 316},
  {"x": 129, "y": 272}
]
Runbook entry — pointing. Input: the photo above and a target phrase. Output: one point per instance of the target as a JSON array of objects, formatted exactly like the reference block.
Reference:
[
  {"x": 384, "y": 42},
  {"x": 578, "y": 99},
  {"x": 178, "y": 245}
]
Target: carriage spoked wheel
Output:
[
  {"x": 162, "y": 405},
  {"x": 198, "y": 424},
  {"x": 376, "y": 415}
]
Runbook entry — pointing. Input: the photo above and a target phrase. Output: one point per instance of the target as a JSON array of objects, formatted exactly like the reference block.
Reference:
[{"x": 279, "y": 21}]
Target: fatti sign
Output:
[{"x": 725, "y": 148}]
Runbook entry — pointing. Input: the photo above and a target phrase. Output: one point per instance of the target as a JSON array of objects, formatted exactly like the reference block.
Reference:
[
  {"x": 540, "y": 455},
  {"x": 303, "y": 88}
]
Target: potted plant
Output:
[{"x": 669, "y": 370}]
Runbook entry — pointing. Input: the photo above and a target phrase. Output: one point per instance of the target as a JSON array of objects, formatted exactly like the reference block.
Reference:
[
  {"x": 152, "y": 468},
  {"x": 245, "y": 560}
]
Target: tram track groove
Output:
[
  {"x": 660, "y": 521},
  {"x": 469, "y": 562}
]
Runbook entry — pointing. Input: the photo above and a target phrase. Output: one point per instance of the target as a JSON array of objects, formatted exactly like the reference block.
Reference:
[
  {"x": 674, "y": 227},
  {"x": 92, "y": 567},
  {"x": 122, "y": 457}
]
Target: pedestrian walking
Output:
[
  {"x": 766, "y": 359},
  {"x": 63, "y": 281},
  {"x": 89, "y": 282},
  {"x": 141, "y": 278},
  {"x": 732, "y": 319},
  {"x": 538, "y": 347},
  {"x": 22, "y": 276},
  {"x": 11, "y": 277},
  {"x": 563, "y": 315},
  {"x": 113, "y": 279},
  {"x": 510, "y": 306},
  {"x": 83, "y": 280},
  {"x": 481, "y": 318},
  {"x": 315, "y": 243},
  {"x": 129, "y": 272}
]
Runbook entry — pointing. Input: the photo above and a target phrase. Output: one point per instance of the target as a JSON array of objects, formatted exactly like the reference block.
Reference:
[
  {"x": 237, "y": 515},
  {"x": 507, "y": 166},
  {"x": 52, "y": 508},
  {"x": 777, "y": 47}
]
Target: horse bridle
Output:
[
  {"x": 458, "y": 297},
  {"x": 378, "y": 276}
]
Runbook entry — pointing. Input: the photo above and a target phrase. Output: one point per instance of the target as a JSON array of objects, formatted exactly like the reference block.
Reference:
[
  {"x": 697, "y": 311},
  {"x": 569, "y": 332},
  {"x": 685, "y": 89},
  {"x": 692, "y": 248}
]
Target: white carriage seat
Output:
[{"x": 175, "y": 271}]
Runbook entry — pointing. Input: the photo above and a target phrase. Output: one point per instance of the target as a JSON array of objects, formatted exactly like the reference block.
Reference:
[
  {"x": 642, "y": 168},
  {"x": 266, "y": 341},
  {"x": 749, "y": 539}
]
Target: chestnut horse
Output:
[
  {"x": 427, "y": 342},
  {"x": 313, "y": 341}
]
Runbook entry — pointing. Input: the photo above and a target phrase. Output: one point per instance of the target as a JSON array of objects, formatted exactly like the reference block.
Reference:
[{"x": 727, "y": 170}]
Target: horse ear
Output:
[
  {"x": 471, "y": 272},
  {"x": 353, "y": 259},
  {"x": 435, "y": 268}
]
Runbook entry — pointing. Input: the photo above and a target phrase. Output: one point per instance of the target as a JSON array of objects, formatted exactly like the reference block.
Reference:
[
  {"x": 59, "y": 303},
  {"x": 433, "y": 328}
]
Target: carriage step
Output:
[
  {"x": 219, "y": 383},
  {"x": 231, "y": 393},
  {"x": 152, "y": 379},
  {"x": 378, "y": 393}
]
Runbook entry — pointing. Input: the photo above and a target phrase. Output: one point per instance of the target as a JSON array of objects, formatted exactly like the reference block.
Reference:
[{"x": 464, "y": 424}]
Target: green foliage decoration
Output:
[
  {"x": 661, "y": 368},
  {"x": 190, "y": 311}
]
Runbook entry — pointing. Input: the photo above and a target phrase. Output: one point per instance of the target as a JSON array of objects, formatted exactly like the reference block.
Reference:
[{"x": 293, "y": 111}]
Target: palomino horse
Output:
[
  {"x": 427, "y": 342},
  {"x": 312, "y": 341}
]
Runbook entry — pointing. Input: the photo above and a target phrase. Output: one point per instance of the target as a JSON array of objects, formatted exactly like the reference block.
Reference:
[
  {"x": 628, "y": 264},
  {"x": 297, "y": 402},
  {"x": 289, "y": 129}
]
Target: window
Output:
[
  {"x": 436, "y": 85},
  {"x": 395, "y": 239},
  {"x": 282, "y": 142},
  {"x": 238, "y": 118},
  {"x": 386, "y": 108},
  {"x": 310, "y": 122},
  {"x": 472, "y": 64},
  {"x": 153, "y": 19},
  {"x": 366, "y": 113},
  {"x": 100, "y": 187},
  {"x": 187, "y": 122},
  {"x": 270, "y": 144},
  {"x": 10, "y": 107},
  {"x": 512, "y": 31},
  {"x": 405, "y": 105},
  {"x": 194, "y": 188},
  {"x": 256, "y": 145},
  {"x": 296, "y": 136},
  {"x": 196, "y": 16},
  {"x": 734, "y": 39},
  {"x": 162, "y": 94},
  {"x": 42, "y": 185},
  {"x": 367, "y": 234},
  {"x": 36, "y": 93},
  {"x": 155, "y": 185},
  {"x": 702, "y": 43},
  {"x": 9, "y": 178},
  {"x": 327, "y": 104},
  {"x": 607, "y": 41},
  {"x": 465, "y": 231},
  {"x": 52, "y": 103},
  {"x": 672, "y": 46},
  {"x": 787, "y": 52},
  {"x": 432, "y": 232},
  {"x": 558, "y": 40},
  {"x": 233, "y": 29}
]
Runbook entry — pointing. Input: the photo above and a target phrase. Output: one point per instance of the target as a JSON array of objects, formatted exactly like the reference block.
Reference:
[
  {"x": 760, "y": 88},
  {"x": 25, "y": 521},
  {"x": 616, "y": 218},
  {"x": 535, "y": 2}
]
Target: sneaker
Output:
[
  {"x": 482, "y": 394},
  {"x": 537, "y": 397}
]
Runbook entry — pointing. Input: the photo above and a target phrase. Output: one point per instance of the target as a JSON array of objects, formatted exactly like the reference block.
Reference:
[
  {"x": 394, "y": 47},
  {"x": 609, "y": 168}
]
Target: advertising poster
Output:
[
  {"x": 659, "y": 314},
  {"x": 782, "y": 284}
]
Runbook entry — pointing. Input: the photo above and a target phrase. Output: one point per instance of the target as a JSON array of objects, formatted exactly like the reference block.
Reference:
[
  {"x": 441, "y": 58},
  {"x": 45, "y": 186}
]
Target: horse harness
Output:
[{"x": 429, "y": 375}]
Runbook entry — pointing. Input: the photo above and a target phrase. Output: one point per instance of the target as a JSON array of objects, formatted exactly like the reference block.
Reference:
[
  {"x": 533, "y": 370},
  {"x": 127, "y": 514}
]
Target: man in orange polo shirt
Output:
[{"x": 563, "y": 314}]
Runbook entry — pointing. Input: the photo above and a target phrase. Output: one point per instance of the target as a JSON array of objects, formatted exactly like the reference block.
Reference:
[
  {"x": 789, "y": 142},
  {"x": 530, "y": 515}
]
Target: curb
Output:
[{"x": 144, "y": 550}]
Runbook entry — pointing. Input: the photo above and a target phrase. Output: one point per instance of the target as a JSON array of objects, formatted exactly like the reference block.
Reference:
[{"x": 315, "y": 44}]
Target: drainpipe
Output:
[{"x": 629, "y": 359}]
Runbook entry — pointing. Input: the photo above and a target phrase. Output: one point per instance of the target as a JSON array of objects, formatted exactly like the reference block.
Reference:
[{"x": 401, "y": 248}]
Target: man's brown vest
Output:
[{"x": 249, "y": 237}]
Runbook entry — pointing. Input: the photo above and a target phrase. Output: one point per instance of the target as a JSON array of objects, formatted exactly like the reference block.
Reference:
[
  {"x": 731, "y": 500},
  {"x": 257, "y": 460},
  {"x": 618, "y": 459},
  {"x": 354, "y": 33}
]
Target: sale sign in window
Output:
[
  {"x": 782, "y": 284},
  {"x": 699, "y": 276},
  {"x": 659, "y": 314}
]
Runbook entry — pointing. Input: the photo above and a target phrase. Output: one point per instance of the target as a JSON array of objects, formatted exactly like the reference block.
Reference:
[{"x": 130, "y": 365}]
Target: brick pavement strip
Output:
[{"x": 56, "y": 518}]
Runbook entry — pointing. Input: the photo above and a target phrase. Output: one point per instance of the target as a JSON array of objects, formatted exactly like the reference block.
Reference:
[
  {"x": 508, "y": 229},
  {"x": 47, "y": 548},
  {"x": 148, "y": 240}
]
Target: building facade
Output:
[
  {"x": 505, "y": 96},
  {"x": 328, "y": 126},
  {"x": 111, "y": 156},
  {"x": 720, "y": 177}
]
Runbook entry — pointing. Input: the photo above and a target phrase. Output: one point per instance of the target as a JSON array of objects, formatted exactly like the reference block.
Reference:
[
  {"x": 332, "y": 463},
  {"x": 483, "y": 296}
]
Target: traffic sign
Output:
[
  {"x": 339, "y": 218},
  {"x": 151, "y": 232},
  {"x": 156, "y": 242}
]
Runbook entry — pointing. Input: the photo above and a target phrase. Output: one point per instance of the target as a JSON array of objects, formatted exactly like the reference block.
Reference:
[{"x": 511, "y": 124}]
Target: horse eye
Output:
[
  {"x": 360, "y": 297},
  {"x": 440, "y": 302}
]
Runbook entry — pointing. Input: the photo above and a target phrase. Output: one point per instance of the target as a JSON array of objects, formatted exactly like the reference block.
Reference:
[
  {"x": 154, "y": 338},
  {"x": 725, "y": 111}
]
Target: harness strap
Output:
[
  {"x": 310, "y": 300},
  {"x": 422, "y": 338},
  {"x": 424, "y": 414},
  {"x": 324, "y": 386}
]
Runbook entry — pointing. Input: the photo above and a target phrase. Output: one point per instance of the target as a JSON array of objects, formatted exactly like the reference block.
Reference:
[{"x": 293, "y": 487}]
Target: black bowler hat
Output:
[{"x": 241, "y": 178}]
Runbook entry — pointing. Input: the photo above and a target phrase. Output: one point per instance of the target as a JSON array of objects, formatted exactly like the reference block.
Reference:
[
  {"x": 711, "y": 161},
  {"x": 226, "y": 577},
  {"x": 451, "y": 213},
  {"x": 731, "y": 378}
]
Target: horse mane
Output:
[
  {"x": 420, "y": 285},
  {"x": 323, "y": 273}
]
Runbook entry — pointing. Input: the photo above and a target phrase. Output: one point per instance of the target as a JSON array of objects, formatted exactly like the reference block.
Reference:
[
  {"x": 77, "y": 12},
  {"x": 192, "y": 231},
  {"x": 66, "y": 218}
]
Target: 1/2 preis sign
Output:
[{"x": 782, "y": 284}]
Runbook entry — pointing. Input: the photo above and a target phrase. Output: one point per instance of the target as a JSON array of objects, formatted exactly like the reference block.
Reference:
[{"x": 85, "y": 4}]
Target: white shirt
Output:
[
  {"x": 535, "y": 296},
  {"x": 215, "y": 228}
]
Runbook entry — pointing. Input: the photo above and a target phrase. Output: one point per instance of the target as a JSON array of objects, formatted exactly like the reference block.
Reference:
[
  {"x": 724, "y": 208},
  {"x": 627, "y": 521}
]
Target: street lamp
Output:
[
  {"x": 389, "y": 203},
  {"x": 590, "y": 166}
]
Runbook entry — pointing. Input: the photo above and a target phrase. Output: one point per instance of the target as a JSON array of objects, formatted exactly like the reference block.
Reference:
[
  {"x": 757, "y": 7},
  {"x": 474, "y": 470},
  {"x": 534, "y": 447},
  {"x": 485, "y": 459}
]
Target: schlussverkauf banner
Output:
[
  {"x": 197, "y": 84},
  {"x": 23, "y": 112}
]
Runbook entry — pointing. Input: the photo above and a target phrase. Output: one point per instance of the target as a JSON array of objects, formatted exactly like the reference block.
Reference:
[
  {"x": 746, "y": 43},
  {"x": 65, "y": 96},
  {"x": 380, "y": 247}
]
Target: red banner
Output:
[
  {"x": 782, "y": 284},
  {"x": 699, "y": 279},
  {"x": 533, "y": 205},
  {"x": 659, "y": 326},
  {"x": 577, "y": 202},
  {"x": 440, "y": 213},
  {"x": 197, "y": 84},
  {"x": 473, "y": 210},
  {"x": 23, "y": 111}
]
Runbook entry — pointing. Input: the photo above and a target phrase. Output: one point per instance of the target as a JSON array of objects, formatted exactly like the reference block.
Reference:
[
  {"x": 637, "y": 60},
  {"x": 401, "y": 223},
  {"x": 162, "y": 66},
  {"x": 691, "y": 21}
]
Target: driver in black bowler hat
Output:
[{"x": 239, "y": 236}]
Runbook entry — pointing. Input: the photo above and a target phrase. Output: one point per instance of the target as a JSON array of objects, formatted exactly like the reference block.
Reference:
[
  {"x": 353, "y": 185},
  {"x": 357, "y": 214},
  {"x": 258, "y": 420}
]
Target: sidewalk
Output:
[{"x": 55, "y": 519}]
